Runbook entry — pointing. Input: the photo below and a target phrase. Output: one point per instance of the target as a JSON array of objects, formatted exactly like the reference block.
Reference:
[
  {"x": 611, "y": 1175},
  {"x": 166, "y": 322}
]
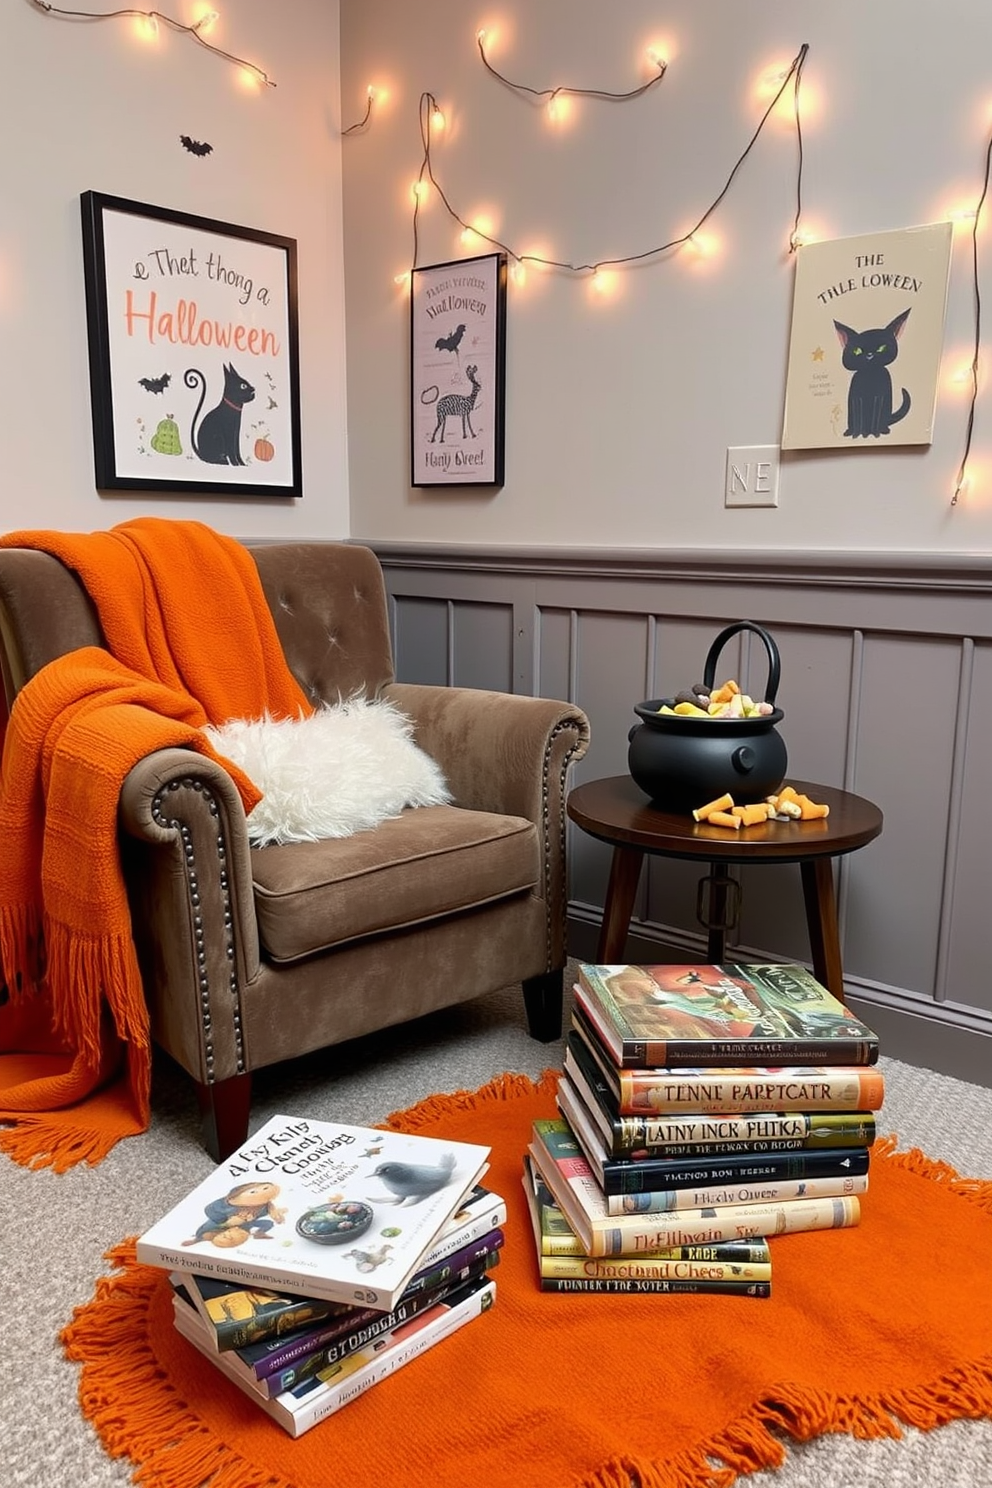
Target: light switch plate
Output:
[{"x": 752, "y": 475}]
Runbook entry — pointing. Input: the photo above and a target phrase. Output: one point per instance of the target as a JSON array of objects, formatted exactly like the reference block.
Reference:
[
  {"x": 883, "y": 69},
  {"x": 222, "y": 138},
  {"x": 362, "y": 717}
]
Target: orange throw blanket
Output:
[{"x": 190, "y": 641}]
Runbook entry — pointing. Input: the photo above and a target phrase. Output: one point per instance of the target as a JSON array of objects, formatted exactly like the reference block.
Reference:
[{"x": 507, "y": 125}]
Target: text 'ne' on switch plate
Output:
[{"x": 752, "y": 476}]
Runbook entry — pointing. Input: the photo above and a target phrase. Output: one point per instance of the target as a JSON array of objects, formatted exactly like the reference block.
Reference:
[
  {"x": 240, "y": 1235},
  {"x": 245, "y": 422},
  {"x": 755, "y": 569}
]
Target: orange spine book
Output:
[{"x": 712, "y": 1091}]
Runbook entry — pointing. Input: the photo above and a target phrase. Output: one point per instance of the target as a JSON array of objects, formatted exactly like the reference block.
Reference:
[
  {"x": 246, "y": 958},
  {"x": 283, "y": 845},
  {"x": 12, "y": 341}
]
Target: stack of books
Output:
[
  {"x": 702, "y": 1106},
  {"x": 320, "y": 1258}
]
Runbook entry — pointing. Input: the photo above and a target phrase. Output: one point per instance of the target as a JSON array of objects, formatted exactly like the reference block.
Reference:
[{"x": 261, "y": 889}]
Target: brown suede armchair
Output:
[{"x": 251, "y": 956}]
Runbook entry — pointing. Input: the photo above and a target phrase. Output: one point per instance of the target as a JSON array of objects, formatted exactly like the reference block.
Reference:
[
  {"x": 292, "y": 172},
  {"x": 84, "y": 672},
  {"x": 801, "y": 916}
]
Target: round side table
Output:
[{"x": 617, "y": 811}]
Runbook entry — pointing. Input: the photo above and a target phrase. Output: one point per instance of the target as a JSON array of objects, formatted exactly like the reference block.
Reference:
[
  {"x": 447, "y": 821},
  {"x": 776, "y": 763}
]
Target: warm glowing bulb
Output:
[
  {"x": 207, "y": 21},
  {"x": 481, "y": 35},
  {"x": 656, "y": 58},
  {"x": 437, "y": 119},
  {"x": 518, "y": 273},
  {"x": 147, "y": 27},
  {"x": 252, "y": 78},
  {"x": 420, "y": 189},
  {"x": 603, "y": 282},
  {"x": 370, "y": 91},
  {"x": 802, "y": 236}
]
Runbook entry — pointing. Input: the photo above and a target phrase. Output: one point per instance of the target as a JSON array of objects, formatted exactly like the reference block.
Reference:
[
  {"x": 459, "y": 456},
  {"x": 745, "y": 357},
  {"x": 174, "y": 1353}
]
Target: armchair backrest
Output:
[{"x": 328, "y": 601}]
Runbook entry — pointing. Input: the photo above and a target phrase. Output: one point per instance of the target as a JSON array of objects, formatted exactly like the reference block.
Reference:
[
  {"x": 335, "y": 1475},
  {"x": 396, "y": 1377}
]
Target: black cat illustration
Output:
[
  {"x": 218, "y": 441},
  {"x": 867, "y": 356}
]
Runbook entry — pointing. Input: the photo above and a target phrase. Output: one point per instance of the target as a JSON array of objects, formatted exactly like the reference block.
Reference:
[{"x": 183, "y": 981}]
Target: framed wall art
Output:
[
  {"x": 866, "y": 340},
  {"x": 193, "y": 351},
  {"x": 458, "y": 372}
]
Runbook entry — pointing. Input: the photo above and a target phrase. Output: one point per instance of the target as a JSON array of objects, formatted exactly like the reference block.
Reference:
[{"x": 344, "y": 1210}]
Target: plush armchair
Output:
[{"x": 250, "y": 956}]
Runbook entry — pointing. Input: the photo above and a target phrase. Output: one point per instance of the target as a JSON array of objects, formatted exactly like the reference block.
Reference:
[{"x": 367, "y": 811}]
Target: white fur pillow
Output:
[{"x": 344, "y": 769}]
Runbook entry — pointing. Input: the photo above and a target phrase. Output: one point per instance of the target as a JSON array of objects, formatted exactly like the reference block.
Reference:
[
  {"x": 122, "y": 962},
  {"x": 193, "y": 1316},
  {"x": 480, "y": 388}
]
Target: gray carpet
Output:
[{"x": 54, "y": 1231}]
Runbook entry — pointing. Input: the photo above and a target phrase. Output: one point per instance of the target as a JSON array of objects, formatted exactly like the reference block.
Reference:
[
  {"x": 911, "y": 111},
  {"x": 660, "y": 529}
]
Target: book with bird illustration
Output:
[{"x": 340, "y": 1213}]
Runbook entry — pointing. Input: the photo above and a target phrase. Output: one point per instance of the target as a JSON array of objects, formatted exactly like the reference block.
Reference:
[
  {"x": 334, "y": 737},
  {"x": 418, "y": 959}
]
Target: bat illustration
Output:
[
  {"x": 273, "y": 403},
  {"x": 450, "y": 343},
  {"x": 195, "y": 147},
  {"x": 155, "y": 384}
]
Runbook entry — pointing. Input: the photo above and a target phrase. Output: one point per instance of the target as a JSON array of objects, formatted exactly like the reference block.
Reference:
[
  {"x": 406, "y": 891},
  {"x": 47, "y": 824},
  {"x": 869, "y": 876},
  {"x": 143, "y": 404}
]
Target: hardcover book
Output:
[
  {"x": 270, "y": 1376},
  {"x": 657, "y": 1184},
  {"x": 240, "y": 1316},
  {"x": 560, "y": 1161},
  {"x": 713, "y": 1090},
  {"x": 554, "y": 1236},
  {"x": 651, "y": 1017},
  {"x": 737, "y": 1277},
  {"x": 341, "y": 1213},
  {"x": 688, "y": 1135},
  {"x": 300, "y": 1408}
]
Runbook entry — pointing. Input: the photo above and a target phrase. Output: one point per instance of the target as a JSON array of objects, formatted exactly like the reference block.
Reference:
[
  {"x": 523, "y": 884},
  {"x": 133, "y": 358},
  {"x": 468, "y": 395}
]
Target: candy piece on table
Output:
[
  {"x": 811, "y": 810},
  {"x": 689, "y": 710},
  {"x": 751, "y": 815},
  {"x": 723, "y": 819},
  {"x": 722, "y": 803}
]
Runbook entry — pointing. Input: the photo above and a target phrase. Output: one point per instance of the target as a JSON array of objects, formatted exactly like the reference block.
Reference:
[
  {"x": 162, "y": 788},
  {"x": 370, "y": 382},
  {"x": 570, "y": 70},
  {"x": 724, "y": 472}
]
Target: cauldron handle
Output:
[{"x": 774, "y": 661}]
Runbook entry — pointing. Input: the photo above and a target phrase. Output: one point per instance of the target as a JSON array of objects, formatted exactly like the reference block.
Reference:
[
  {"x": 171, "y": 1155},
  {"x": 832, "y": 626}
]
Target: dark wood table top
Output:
[{"x": 617, "y": 811}]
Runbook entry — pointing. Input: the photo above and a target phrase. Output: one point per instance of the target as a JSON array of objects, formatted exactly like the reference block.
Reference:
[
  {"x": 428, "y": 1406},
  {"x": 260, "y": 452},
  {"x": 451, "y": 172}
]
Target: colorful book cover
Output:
[
  {"x": 553, "y": 1236},
  {"x": 572, "y": 1182},
  {"x": 663, "y": 1183},
  {"x": 302, "y": 1407},
  {"x": 688, "y": 1135},
  {"x": 237, "y": 1321},
  {"x": 666, "y": 1017},
  {"x": 341, "y": 1213}
]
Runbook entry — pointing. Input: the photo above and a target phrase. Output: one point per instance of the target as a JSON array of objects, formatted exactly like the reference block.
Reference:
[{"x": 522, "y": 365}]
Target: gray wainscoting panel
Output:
[{"x": 886, "y": 685}]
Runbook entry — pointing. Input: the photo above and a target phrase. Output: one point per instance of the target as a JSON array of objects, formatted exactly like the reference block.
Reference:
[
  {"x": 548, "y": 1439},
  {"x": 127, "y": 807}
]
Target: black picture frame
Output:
[
  {"x": 458, "y": 372},
  {"x": 169, "y": 295}
]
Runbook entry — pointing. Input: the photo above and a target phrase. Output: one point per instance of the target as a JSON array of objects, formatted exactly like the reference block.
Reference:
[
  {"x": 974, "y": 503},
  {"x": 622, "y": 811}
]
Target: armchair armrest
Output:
[
  {"x": 506, "y": 753},
  {"x": 499, "y": 751},
  {"x": 188, "y": 872}
]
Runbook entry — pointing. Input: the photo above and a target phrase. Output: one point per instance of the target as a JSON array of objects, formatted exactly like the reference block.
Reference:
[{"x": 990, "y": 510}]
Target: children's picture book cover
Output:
[
  {"x": 866, "y": 340},
  {"x": 665, "y": 1016},
  {"x": 342, "y": 1213}
]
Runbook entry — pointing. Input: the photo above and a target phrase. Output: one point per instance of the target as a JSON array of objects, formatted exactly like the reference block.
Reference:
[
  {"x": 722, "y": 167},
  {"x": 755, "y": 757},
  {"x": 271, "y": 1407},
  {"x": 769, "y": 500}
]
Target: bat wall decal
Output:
[
  {"x": 155, "y": 384},
  {"x": 195, "y": 147}
]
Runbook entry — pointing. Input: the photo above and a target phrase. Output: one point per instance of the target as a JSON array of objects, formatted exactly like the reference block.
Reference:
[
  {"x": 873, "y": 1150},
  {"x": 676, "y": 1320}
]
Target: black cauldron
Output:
[{"x": 683, "y": 762}]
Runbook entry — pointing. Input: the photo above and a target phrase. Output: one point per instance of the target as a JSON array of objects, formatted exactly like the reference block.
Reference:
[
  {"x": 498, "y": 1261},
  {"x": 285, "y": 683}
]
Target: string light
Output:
[
  {"x": 552, "y": 94},
  {"x": 150, "y": 20},
  {"x": 428, "y": 103},
  {"x": 961, "y": 480}
]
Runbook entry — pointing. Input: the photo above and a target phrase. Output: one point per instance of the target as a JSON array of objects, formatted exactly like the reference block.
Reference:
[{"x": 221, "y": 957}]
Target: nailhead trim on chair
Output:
[
  {"x": 172, "y": 824},
  {"x": 567, "y": 760}
]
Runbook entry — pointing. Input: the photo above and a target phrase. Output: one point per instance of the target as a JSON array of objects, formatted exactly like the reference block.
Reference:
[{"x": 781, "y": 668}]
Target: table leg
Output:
[
  {"x": 821, "y": 920},
  {"x": 625, "y": 870}
]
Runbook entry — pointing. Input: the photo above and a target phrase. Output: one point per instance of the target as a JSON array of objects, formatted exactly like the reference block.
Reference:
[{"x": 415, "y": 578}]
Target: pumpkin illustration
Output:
[
  {"x": 166, "y": 439},
  {"x": 264, "y": 449}
]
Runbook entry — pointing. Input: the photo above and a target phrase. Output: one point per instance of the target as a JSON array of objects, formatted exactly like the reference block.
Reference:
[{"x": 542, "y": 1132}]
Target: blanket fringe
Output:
[
  {"x": 977, "y": 1190},
  {"x": 39, "y": 1141},
  {"x": 508, "y": 1087},
  {"x": 167, "y": 1438}
]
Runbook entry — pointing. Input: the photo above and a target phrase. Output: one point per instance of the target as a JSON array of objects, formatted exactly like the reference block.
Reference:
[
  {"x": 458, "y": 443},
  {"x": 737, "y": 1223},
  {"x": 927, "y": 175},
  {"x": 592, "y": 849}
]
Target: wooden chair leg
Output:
[
  {"x": 225, "y": 1107},
  {"x": 543, "y": 1001}
]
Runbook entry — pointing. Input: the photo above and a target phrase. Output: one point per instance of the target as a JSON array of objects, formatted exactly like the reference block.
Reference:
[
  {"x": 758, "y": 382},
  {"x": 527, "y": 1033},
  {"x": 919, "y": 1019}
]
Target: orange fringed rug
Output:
[{"x": 867, "y": 1328}]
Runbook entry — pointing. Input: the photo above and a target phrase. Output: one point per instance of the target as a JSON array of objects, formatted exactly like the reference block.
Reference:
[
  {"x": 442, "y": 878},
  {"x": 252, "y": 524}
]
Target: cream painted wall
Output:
[
  {"x": 88, "y": 106},
  {"x": 620, "y": 411}
]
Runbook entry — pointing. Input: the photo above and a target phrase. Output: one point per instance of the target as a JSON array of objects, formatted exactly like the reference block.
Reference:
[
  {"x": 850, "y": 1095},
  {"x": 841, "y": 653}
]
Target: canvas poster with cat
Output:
[{"x": 866, "y": 341}]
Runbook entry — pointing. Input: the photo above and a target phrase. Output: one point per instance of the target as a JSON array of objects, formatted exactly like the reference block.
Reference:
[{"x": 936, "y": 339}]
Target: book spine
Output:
[
  {"x": 677, "y": 1199},
  {"x": 740, "y": 1090},
  {"x": 761, "y": 1131},
  {"x": 583, "y": 1203},
  {"x": 655, "y": 1268},
  {"x": 337, "y": 1332},
  {"x": 280, "y": 1380},
  {"x": 615, "y": 1287},
  {"x": 330, "y": 1400},
  {"x": 660, "y": 1175},
  {"x": 150, "y": 1254},
  {"x": 488, "y": 1219}
]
